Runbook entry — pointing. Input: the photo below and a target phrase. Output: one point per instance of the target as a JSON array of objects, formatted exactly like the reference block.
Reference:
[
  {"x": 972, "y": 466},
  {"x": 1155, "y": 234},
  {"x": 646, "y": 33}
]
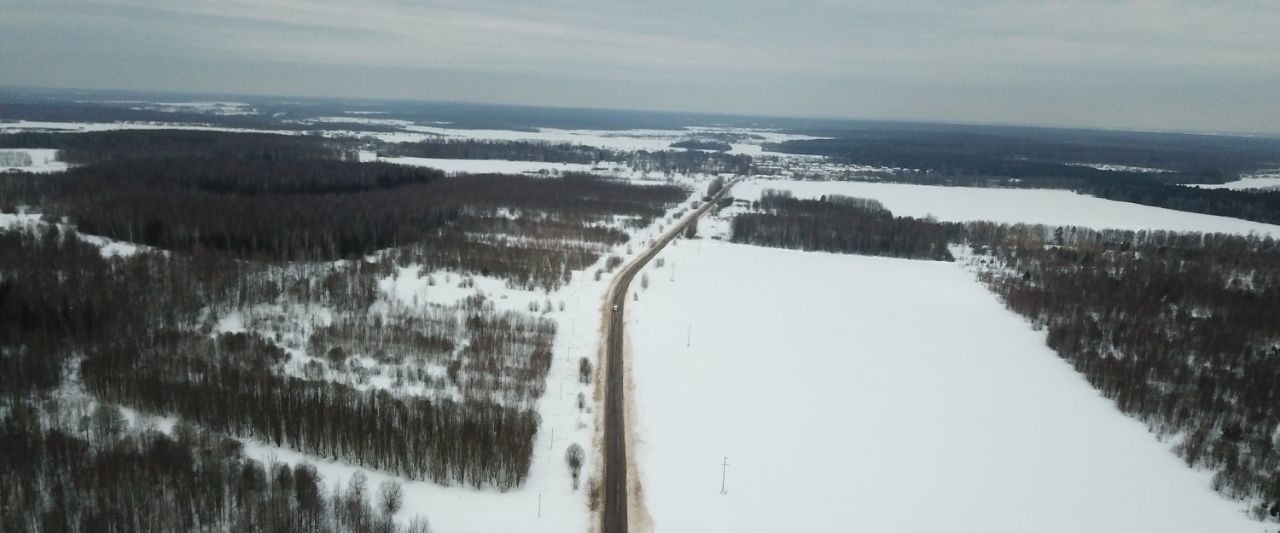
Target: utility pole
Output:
[
  {"x": 539, "y": 505},
  {"x": 723, "y": 469},
  {"x": 688, "y": 339},
  {"x": 673, "y": 271}
]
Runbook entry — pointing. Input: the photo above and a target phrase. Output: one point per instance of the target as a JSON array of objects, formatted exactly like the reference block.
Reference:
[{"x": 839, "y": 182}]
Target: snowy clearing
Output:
[
  {"x": 1118, "y": 168},
  {"x": 1269, "y": 180},
  {"x": 881, "y": 395},
  {"x": 109, "y": 247},
  {"x": 1031, "y": 206},
  {"x": 38, "y": 160}
]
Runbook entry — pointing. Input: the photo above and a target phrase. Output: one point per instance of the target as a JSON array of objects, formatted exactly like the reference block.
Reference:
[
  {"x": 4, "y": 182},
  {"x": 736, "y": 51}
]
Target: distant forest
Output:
[
  {"x": 1037, "y": 159},
  {"x": 703, "y": 144},
  {"x": 118, "y": 145},
  {"x": 275, "y": 197},
  {"x": 508, "y": 150}
]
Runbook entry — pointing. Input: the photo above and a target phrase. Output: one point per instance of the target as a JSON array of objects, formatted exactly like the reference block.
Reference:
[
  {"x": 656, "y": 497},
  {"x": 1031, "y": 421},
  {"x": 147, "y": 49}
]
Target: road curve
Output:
[{"x": 614, "y": 516}]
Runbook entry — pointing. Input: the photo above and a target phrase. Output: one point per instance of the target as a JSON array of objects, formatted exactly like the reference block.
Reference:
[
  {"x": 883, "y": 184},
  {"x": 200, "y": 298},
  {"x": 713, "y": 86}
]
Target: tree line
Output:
[
  {"x": 106, "y": 476},
  {"x": 120, "y": 145},
  {"x": 839, "y": 224},
  {"x": 508, "y": 150},
  {"x": 703, "y": 144},
  {"x": 1179, "y": 330},
  {"x": 442, "y": 441},
  {"x": 321, "y": 209},
  {"x": 130, "y": 325}
]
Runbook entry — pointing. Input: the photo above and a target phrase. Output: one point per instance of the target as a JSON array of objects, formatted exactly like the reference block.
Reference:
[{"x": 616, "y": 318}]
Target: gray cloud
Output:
[{"x": 1173, "y": 64}]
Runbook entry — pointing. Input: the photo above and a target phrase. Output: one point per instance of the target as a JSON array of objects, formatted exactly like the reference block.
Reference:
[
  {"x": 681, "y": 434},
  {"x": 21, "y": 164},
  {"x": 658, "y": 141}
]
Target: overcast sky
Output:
[{"x": 1180, "y": 65}]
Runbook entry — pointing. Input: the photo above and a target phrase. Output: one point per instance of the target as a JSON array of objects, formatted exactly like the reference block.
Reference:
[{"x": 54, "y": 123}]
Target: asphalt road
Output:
[{"x": 614, "y": 517}]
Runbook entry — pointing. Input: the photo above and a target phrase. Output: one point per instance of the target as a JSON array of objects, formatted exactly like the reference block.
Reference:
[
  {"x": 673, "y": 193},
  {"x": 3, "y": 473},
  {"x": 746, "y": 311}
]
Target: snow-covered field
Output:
[
  {"x": 626, "y": 140},
  {"x": 1036, "y": 206},
  {"x": 1118, "y": 168},
  {"x": 1268, "y": 180},
  {"x": 855, "y": 393},
  {"x": 80, "y": 127},
  {"x": 30, "y": 160}
]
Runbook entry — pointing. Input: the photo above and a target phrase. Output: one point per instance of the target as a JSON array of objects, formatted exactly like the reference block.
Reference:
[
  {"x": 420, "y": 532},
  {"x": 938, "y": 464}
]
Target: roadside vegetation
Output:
[{"x": 253, "y": 307}]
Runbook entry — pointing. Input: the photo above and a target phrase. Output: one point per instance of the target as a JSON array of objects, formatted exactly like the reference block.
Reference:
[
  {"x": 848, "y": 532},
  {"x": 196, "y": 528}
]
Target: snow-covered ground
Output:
[
  {"x": 548, "y": 490},
  {"x": 1267, "y": 180},
  {"x": 856, "y": 393},
  {"x": 109, "y": 247},
  {"x": 30, "y": 160},
  {"x": 623, "y": 140},
  {"x": 1118, "y": 168},
  {"x": 1035, "y": 206},
  {"x": 80, "y": 127}
]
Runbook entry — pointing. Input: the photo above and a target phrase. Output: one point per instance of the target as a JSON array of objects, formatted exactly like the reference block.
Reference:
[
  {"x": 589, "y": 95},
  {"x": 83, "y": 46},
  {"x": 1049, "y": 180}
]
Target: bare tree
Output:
[
  {"x": 390, "y": 496},
  {"x": 574, "y": 457}
]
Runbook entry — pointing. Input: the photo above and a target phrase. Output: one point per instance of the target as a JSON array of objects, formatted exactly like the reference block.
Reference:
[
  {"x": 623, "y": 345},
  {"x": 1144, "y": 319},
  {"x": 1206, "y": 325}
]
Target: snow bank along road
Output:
[{"x": 614, "y": 517}]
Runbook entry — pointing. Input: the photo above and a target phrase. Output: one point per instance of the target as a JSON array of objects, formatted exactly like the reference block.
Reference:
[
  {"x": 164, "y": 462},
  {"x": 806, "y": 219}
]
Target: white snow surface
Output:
[
  {"x": 854, "y": 393},
  {"x": 80, "y": 127},
  {"x": 108, "y": 247},
  {"x": 1268, "y": 180},
  {"x": 1031, "y": 206},
  {"x": 1118, "y": 168},
  {"x": 624, "y": 140},
  {"x": 40, "y": 160}
]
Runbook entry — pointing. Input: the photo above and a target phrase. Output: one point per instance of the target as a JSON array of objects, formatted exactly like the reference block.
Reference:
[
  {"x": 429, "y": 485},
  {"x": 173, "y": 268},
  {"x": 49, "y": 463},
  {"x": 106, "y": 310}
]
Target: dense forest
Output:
[
  {"x": 1179, "y": 330},
  {"x": 125, "y": 325},
  {"x": 839, "y": 224},
  {"x": 690, "y": 161},
  {"x": 271, "y": 197},
  {"x": 703, "y": 144},
  {"x": 105, "y": 146},
  {"x": 104, "y": 475},
  {"x": 508, "y": 150},
  {"x": 291, "y": 240},
  {"x": 1010, "y": 152}
]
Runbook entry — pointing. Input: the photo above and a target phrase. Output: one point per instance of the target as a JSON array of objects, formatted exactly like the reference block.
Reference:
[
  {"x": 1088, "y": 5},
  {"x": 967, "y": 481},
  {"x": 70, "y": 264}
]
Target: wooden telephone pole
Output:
[{"x": 724, "y": 468}]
